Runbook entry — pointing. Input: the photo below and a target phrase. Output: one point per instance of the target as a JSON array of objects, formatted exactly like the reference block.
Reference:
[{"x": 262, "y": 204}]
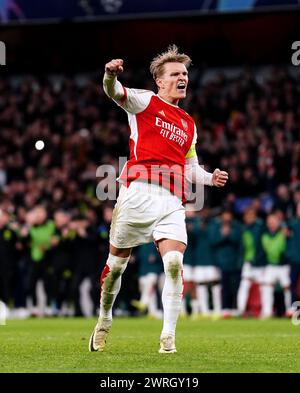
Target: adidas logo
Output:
[{"x": 162, "y": 113}]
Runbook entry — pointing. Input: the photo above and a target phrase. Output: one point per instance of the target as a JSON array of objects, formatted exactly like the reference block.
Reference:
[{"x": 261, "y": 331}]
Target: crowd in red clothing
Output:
[{"x": 248, "y": 124}]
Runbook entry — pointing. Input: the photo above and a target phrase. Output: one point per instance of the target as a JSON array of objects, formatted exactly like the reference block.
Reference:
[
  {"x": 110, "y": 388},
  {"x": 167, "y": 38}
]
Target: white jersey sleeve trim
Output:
[{"x": 131, "y": 100}]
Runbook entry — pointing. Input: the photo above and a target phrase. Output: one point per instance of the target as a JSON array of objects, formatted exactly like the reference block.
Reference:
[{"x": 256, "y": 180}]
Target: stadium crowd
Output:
[{"x": 54, "y": 230}]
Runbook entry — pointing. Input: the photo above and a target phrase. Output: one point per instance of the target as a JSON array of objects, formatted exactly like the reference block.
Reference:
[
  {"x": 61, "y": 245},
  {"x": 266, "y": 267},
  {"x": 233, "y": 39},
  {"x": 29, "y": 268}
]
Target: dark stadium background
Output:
[
  {"x": 213, "y": 40},
  {"x": 64, "y": 46}
]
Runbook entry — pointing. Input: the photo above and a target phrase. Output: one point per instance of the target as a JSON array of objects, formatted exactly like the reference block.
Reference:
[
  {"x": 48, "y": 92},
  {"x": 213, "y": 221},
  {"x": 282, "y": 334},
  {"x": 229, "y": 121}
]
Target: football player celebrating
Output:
[{"x": 149, "y": 208}]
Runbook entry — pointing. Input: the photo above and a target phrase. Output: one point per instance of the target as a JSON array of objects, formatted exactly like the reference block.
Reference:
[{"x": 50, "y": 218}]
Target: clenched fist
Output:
[
  {"x": 219, "y": 178},
  {"x": 114, "y": 67}
]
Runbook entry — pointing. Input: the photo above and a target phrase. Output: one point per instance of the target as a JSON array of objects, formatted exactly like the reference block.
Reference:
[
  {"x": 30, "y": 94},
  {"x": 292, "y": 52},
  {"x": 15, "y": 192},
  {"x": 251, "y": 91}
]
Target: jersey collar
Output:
[{"x": 175, "y": 106}]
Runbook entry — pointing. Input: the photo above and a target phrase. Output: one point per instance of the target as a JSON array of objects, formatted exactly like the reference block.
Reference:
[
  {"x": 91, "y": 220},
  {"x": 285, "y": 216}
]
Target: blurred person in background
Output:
[
  {"x": 103, "y": 230},
  {"x": 284, "y": 201},
  {"x": 7, "y": 258},
  {"x": 84, "y": 261},
  {"x": 277, "y": 271},
  {"x": 239, "y": 119},
  {"x": 293, "y": 254},
  {"x": 226, "y": 235},
  {"x": 61, "y": 263},
  {"x": 207, "y": 274},
  {"x": 189, "y": 287},
  {"x": 39, "y": 232},
  {"x": 253, "y": 258},
  {"x": 21, "y": 274},
  {"x": 149, "y": 269}
]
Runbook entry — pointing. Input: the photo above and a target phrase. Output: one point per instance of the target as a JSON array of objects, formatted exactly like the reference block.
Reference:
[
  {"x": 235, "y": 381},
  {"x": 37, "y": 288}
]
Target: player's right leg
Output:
[
  {"x": 172, "y": 256},
  {"x": 110, "y": 286}
]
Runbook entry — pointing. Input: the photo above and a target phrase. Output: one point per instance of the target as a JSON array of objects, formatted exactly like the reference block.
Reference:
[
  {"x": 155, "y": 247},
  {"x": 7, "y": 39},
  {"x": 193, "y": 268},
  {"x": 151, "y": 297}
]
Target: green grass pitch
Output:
[{"x": 235, "y": 345}]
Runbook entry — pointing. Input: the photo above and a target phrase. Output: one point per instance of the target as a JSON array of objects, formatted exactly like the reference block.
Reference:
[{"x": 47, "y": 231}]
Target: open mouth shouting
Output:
[{"x": 181, "y": 86}]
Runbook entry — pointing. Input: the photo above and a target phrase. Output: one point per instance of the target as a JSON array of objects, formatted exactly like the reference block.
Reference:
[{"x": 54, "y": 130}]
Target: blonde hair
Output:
[{"x": 171, "y": 55}]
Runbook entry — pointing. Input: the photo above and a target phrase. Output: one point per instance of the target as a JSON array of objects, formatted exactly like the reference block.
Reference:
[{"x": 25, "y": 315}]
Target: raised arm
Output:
[
  {"x": 132, "y": 100},
  {"x": 112, "y": 87}
]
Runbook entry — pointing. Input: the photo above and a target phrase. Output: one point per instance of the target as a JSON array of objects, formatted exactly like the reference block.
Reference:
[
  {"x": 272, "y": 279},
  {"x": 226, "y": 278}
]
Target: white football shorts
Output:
[
  {"x": 280, "y": 274},
  {"x": 253, "y": 273},
  {"x": 145, "y": 213},
  {"x": 206, "y": 274},
  {"x": 188, "y": 273}
]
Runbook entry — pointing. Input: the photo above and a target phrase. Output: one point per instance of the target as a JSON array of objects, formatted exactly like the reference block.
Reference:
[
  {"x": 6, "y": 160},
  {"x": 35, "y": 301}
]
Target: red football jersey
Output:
[{"x": 160, "y": 138}]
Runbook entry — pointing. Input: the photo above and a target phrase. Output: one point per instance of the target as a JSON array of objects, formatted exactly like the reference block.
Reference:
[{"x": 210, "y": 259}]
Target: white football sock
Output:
[
  {"x": 111, "y": 284},
  {"x": 242, "y": 297},
  {"x": 148, "y": 288},
  {"x": 172, "y": 291},
  {"x": 194, "y": 306},
  {"x": 287, "y": 299},
  {"x": 217, "y": 298},
  {"x": 202, "y": 295},
  {"x": 267, "y": 300}
]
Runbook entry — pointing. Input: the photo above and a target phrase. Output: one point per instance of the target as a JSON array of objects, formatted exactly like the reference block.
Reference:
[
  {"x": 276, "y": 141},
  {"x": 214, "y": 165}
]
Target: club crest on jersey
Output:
[{"x": 184, "y": 124}]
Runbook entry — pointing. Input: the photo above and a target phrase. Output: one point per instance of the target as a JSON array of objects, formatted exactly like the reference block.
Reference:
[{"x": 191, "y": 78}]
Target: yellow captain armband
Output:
[{"x": 192, "y": 152}]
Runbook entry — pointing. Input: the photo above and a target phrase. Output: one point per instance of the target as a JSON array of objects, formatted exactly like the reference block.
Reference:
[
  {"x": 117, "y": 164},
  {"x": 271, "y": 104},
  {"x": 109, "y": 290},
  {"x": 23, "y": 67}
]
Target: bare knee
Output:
[
  {"x": 119, "y": 252},
  {"x": 169, "y": 245}
]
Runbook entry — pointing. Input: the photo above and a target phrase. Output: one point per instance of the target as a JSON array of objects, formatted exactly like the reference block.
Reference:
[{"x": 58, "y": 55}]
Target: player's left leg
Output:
[
  {"x": 172, "y": 256},
  {"x": 110, "y": 287},
  {"x": 133, "y": 217}
]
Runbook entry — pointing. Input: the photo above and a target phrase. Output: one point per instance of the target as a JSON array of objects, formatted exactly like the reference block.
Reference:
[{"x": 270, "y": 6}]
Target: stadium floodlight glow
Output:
[{"x": 39, "y": 145}]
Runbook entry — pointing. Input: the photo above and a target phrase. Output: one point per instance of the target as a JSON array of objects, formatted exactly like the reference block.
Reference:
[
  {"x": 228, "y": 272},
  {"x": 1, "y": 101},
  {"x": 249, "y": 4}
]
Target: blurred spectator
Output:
[
  {"x": 277, "y": 269},
  {"x": 84, "y": 264},
  {"x": 226, "y": 242},
  {"x": 248, "y": 123},
  {"x": 61, "y": 263},
  {"x": 283, "y": 201},
  {"x": 7, "y": 257},
  {"x": 39, "y": 235},
  {"x": 150, "y": 267},
  {"x": 207, "y": 274},
  {"x": 293, "y": 254},
  {"x": 253, "y": 257},
  {"x": 189, "y": 261}
]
